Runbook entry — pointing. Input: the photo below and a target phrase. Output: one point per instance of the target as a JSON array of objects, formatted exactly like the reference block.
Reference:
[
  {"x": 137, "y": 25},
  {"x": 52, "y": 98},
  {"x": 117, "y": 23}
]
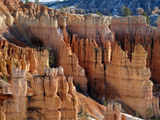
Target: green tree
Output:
[
  {"x": 26, "y": 1},
  {"x": 147, "y": 17},
  {"x": 105, "y": 103},
  {"x": 37, "y": 1},
  {"x": 99, "y": 13},
  {"x": 126, "y": 11}
]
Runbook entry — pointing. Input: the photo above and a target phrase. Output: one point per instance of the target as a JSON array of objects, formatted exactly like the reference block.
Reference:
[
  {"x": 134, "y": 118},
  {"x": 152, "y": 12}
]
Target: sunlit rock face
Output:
[
  {"x": 54, "y": 97},
  {"x": 133, "y": 86},
  {"x": 51, "y": 96},
  {"x": 46, "y": 94},
  {"x": 47, "y": 30},
  {"x": 5, "y": 16},
  {"x": 134, "y": 30},
  {"x": 91, "y": 26},
  {"x": 113, "y": 112}
]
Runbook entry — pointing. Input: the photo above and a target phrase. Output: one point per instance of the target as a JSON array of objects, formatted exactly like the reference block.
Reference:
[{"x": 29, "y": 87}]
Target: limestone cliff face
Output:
[{"x": 52, "y": 28}]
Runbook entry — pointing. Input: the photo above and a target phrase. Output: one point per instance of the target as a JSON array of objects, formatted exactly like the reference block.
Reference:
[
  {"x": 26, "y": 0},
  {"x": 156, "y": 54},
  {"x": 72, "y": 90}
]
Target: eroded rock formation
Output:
[
  {"x": 53, "y": 98},
  {"x": 130, "y": 79},
  {"x": 107, "y": 58},
  {"x": 134, "y": 30},
  {"x": 23, "y": 58},
  {"x": 113, "y": 112}
]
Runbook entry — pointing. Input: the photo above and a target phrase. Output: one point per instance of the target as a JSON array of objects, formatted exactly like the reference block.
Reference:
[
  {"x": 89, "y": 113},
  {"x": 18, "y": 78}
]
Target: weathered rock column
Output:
[
  {"x": 113, "y": 112},
  {"x": 16, "y": 107},
  {"x": 129, "y": 80},
  {"x": 67, "y": 94},
  {"x": 156, "y": 108},
  {"x": 148, "y": 96}
]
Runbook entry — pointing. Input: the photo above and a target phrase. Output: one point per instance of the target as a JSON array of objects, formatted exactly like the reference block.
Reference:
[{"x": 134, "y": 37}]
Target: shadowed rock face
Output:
[{"x": 107, "y": 58}]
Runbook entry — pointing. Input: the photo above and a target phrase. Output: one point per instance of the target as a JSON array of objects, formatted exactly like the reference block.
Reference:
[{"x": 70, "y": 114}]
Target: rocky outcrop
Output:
[
  {"x": 23, "y": 58},
  {"x": 103, "y": 56},
  {"x": 52, "y": 37},
  {"x": 94, "y": 59},
  {"x": 90, "y": 26},
  {"x": 53, "y": 98},
  {"x": 91, "y": 46},
  {"x": 5, "y": 16},
  {"x": 113, "y": 112},
  {"x": 130, "y": 79},
  {"x": 13, "y": 107},
  {"x": 134, "y": 30}
]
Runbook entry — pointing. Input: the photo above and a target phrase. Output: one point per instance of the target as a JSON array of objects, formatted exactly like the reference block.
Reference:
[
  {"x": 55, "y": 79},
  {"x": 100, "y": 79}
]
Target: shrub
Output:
[
  {"x": 5, "y": 78},
  {"x": 53, "y": 58},
  {"x": 99, "y": 13}
]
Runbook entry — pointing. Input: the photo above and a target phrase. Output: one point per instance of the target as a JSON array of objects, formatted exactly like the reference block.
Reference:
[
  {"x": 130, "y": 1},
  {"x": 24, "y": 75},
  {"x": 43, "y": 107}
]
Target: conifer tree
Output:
[
  {"x": 37, "y": 1},
  {"x": 26, "y": 1},
  {"x": 126, "y": 11}
]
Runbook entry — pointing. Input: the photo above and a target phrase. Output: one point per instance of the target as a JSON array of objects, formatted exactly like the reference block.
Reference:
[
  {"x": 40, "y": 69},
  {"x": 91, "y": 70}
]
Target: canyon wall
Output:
[
  {"x": 51, "y": 96},
  {"x": 108, "y": 58},
  {"x": 46, "y": 29},
  {"x": 23, "y": 58},
  {"x": 134, "y": 30},
  {"x": 131, "y": 79}
]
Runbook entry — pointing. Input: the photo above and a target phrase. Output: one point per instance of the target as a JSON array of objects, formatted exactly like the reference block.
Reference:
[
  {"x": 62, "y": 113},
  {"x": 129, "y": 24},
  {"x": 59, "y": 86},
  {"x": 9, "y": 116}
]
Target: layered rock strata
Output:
[
  {"x": 13, "y": 108},
  {"x": 113, "y": 112},
  {"x": 84, "y": 46},
  {"x": 53, "y": 98},
  {"x": 130, "y": 31},
  {"x": 24, "y": 58},
  {"x": 132, "y": 79},
  {"x": 51, "y": 36}
]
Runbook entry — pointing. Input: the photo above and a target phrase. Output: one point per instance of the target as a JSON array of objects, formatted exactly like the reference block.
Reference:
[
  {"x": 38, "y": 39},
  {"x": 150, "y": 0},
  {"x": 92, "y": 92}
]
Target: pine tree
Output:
[
  {"x": 99, "y": 13},
  {"x": 147, "y": 17},
  {"x": 126, "y": 11},
  {"x": 37, "y": 1},
  {"x": 26, "y": 1}
]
